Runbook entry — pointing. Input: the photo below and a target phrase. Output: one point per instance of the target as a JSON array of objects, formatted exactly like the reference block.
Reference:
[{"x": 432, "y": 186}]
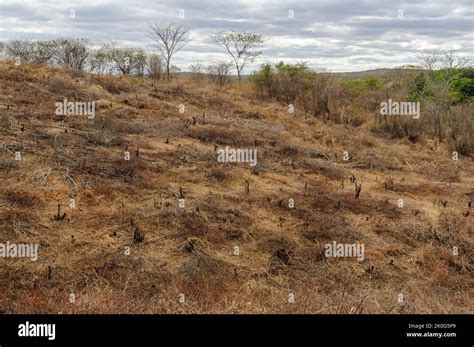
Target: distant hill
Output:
[
  {"x": 345, "y": 75},
  {"x": 375, "y": 72}
]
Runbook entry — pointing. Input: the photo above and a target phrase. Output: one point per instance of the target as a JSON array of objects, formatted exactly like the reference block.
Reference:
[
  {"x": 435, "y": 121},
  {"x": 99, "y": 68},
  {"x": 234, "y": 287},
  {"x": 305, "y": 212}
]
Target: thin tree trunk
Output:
[
  {"x": 168, "y": 61},
  {"x": 438, "y": 127},
  {"x": 238, "y": 71}
]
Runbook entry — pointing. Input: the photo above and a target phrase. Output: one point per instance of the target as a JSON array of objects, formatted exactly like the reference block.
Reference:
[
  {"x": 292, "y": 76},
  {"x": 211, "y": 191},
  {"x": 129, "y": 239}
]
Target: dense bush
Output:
[
  {"x": 296, "y": 84},
  {"x": 285, "y": 82},
  {"x": 319, "y": 93},
  {"x": 461, "y": 84},
  {"x": 363, "y": 85}
]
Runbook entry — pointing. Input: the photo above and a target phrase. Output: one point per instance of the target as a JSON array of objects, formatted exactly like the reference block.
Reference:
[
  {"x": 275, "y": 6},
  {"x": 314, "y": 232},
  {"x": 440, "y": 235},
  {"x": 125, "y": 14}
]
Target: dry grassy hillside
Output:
[{"x": 183, "y": 259}]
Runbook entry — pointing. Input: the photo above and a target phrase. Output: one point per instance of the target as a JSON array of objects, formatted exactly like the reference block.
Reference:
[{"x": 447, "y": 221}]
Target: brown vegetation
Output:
[{"x": 236, "y": 246}]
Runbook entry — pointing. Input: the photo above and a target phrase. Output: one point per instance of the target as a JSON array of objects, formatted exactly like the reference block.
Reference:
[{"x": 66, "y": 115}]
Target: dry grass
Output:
[{"x": 189, "y": 253}]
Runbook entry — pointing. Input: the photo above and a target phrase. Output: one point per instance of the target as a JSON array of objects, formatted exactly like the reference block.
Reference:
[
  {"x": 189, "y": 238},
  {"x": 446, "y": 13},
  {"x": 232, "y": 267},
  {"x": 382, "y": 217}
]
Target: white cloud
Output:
[{"x": 338, "y": 35}]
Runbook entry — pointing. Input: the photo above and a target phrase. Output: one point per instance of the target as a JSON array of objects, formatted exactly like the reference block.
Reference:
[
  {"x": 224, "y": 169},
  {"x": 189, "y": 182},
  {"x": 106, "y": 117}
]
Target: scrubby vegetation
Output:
[
  {"x": 446, "y": 97},
  {"x": 133, "y": 211},
  {"x": 128, "y": 244}
]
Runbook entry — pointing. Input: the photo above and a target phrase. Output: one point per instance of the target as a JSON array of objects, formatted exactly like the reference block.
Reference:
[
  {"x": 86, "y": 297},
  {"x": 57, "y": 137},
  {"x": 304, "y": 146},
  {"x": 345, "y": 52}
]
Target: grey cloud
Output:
[{"x": 340, "y": 34}]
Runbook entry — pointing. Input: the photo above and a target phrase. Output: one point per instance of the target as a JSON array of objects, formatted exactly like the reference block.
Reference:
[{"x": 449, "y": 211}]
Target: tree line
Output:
[{"x": 168, "y": 38}]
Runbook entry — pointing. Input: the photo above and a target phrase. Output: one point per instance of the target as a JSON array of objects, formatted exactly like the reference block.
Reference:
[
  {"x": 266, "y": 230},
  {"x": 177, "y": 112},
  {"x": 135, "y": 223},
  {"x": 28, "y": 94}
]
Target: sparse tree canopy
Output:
[
  {"x": 155, "y": 66},
  {"x": 451, "y": 60},
  {"x": 428, "y": 60},
  {"x": 70, "y": 53},
  {"x": 169, "y": 38},
  {"x": 98, "y": 60},
  {"x": 27, "y": 52},
  {"x": 197, "y": 70},
  {"x": 219, "y": 72},
  {"x": 125, "y": 60},
  {"x": 240, "y": 45},
  {"x": 441, "y": 59}
]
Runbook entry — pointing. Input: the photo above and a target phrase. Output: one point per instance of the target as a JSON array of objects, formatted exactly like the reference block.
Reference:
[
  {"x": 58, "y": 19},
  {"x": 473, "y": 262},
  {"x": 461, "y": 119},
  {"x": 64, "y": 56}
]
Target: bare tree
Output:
[
  {"x": 197, "y": 70},
  {"x": 321, "y": 90},
  {"x": 140, "y": 61},
  {"x": 219, "y": 72},
  {"x": 428, "y": 60},
  {"x": 437, "y": 101},
  {"x": 154, "y": 66},
  {"x": 240, "y": 45},
  {"x": 70, "y": 53},
  {"x": 126, "y": 60},
  {"x": 169, "y": 38},
  {"x": 27, "y": 52},
  {"x": 20, "y": 50},
  {"x": 451, "y": 60},
  {"x": 98, "y": 60},
  {"x": 121, "y": 58},
  {"x": 431, "y": 60}
]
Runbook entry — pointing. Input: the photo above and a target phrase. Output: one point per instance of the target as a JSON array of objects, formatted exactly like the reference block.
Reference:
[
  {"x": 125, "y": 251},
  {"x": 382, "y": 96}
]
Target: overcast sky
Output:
[{"x": 335, "y": 35}]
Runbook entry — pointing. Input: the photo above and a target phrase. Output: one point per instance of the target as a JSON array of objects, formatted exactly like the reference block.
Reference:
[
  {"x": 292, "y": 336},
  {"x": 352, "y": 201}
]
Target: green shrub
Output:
[{"x": 363, "y": 85}]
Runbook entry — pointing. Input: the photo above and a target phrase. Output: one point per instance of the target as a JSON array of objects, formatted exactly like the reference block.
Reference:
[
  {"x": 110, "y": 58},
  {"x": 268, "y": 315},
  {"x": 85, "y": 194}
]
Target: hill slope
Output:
[{"x": 236, "y": 246}]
